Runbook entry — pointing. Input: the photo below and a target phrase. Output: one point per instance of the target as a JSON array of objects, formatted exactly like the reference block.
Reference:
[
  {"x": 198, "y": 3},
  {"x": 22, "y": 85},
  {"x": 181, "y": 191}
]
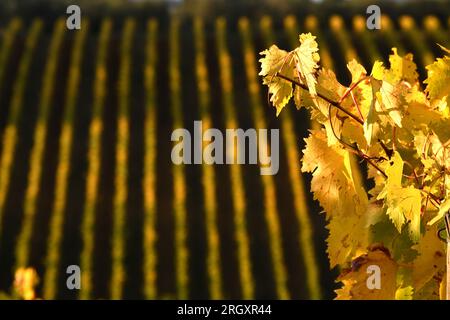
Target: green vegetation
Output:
[
  {"x": 121, "y": 175},
  {"x": 237, "y": 184},
  {"x": 94, "y": 160},
  {"x": 178, "y": 174},
  {"x": 10, "y": 134},
  {"x": 150, "y": 173},
  {"x": 55, "y": 237},
  {"x": 37, "y": 152},
  {"x": 208, "y": 175}
]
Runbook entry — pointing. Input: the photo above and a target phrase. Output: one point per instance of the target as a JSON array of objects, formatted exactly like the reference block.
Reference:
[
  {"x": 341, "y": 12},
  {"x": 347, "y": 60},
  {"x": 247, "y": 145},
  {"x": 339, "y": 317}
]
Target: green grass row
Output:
[
  {"x": 8, "y": 38},
  {"x": 237, "y": 184},
  {"x": 56, "y": 226},
  {"x": 150, "y": 173},
  {"x": 178, "y": 171},
  {"x": 94, "y": 158},
  {"x": 10, "y": 137},
  {"x": 213, "y": 262},
  {"x": 272, "y": 216},
  {"x": 118, "y": 274},
  {"x": 36, "y": 159}
]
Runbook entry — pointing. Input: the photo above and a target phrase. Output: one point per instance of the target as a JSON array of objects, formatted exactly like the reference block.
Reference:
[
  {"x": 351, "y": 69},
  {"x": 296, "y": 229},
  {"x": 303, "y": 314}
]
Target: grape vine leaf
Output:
[
  {"x": 333, "y": 182},
  {"x": 438, "y": 80},
  {"x": 443, "y": 209},
  {"x": 347, "y": 238},
  {"x": 430, "y": 291},
  {"x": 355, "y": 279},
  {"x": 339, "y": 193},
  {"x": 277, "y": 61},
  {"x": 403, "y": 204},
  {"x": 357, "y": 70},
  {"x": 400, "y": 247},
  {"x": 431, "y": 257},
  {"x": 307, "y": 58},
  {"x": 388, "y": 94},
  {"x": 402, "y": 68},
  {"x": 404, "y": 293}
]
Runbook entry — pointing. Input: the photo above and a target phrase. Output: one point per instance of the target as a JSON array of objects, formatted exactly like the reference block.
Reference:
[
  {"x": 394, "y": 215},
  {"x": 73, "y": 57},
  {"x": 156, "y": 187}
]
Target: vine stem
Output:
[
  {"x": 373, "y": 164},
  {"x": 332, "y": 102}
]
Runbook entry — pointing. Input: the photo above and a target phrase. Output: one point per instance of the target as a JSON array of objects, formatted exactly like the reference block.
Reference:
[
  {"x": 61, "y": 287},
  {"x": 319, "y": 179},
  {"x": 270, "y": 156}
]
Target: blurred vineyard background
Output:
[{"x": 85, "y": 124}]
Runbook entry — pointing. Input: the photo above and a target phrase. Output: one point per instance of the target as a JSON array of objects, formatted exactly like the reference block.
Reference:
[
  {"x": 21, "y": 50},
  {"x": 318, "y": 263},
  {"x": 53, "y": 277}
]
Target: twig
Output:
[
  {"x": 373, "y": 164},
  {"x": 333, "y": 103},
  {"x": 353, "y": 86}
]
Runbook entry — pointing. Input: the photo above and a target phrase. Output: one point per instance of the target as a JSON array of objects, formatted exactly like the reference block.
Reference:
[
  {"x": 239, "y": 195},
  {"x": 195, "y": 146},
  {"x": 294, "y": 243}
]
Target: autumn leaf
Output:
[
  {"x": 357, "y": 70},
  {"x": 348, "y": 238},
  {"x": 338, "y": 192},
  {"x": 333, "y": 182},
  {"x": 403, "y": 204},
  {"x": 431, "y": 258},
  {"x": 307, "y": 58},
  {"x": 403, "y": 138},
  {"x": 402, "y": 68},
  {"x": 355, "y": 279},
  {"x": 438, "y": 80},
  {"x": 277, "y": 61}
]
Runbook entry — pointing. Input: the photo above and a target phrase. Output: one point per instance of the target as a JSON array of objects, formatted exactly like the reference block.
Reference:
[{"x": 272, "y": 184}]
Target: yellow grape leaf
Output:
[
  {"x": 402, "y": 204},
  {"x": 388, "y": 89},
  {"x": 395, "y": 171},
  {"x": 334, "y": 120},
  {"x": 357, "y": 70},
  {"x": 430, "y": 291},
  {"x": 438, "y": 80},
  {"x": 388, "y": 98},
  {"x": 329, "y": 87},
  {"x": 378, "y": 70},
  {"x": 353, "y": 133},
  {"x": 371, "y": 118},
  {"x": 299, "y": 97},
  {"x": 348, "y": 237},
  {"x": 441, "y": 129},
  {"x": 277, "y": 61},
  {"x": 404, "y": 293},
  {"x": 420, "y": 116},
  {"x": 431, "y": 258},
  {"x": 443, "y": 209},
  {"x": 355, "y": 279},
  {"x": 339, "y": 193},
  {"x": 307, "y": 58},
  {"x": 402, "y": 68},
  {"x": 333, "y": 182},
  {"x": 407, "y": 203}
]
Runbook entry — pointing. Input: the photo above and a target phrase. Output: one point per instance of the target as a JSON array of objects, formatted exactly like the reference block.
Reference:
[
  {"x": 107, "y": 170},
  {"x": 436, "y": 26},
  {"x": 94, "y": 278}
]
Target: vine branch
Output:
[{"x": 332, "y": 102}]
